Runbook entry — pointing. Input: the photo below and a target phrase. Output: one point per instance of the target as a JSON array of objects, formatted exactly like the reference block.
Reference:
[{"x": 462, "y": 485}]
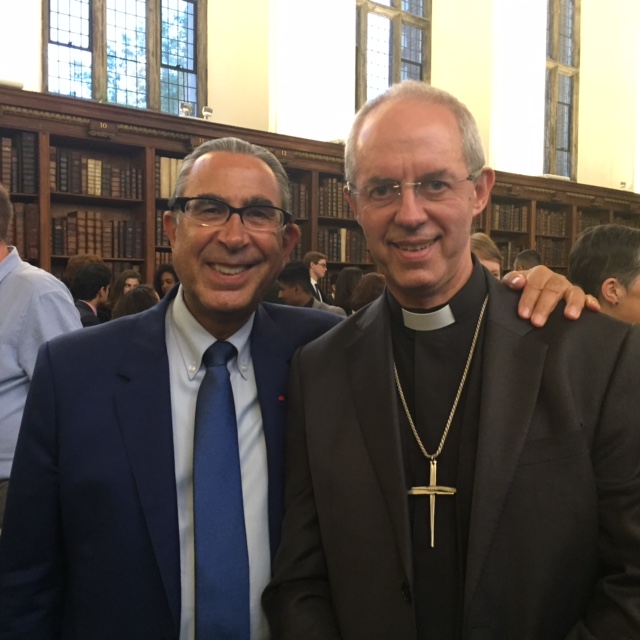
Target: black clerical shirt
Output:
[{"x": 430, "y": 366}]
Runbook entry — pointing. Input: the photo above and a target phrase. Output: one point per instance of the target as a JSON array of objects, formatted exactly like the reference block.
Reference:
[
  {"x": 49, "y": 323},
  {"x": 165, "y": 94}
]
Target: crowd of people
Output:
[{"x": 424, "y": 452}]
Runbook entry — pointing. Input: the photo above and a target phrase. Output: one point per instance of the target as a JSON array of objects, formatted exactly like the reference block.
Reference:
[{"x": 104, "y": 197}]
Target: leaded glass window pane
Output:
[
  {"x": 379, "y": 48},
  {"x": 177, "y": 75},
  {"x": 416, "y": 7},
  {"x": 127, "y": 52},
  {"x": 411, "y": 53},
  {"x": 69, "y": 71},
  {"x": 565, "y": 53},
  {"x": 69, "y": 49}
]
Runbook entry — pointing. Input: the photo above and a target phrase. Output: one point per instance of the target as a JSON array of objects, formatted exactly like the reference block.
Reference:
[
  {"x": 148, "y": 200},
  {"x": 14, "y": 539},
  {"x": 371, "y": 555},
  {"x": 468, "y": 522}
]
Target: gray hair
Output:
[
  {"x": 233, "y": 145},
  {"x": 6, "y": 213},
  {"x": 472, "y": 150}
]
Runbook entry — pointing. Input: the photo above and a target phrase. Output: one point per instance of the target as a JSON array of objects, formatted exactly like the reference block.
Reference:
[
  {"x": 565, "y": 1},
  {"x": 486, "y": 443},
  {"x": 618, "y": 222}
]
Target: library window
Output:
[
  {"x": 138, "y": 53},
  {"x": 393, "y": 44},
  {"x": 561, "y": 87}
]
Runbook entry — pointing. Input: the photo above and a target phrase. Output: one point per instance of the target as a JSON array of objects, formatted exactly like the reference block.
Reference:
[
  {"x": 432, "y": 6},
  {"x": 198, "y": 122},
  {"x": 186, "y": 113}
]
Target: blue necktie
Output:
[{"x": 221, "y": 557}]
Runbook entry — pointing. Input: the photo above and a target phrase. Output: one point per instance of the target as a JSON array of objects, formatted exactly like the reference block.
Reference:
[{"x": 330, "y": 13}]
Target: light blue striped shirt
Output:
[{"x": 36, "y": 307}]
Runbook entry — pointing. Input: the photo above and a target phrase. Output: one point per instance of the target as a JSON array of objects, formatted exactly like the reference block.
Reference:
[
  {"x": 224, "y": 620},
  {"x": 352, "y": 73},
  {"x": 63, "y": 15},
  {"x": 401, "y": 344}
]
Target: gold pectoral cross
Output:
[{"x": 432, "y": 491}]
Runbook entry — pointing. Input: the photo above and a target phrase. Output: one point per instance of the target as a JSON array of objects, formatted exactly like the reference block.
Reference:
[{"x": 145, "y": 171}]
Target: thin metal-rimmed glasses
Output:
[
  {"x": 382, "y": 193},
  {"x": 210, "y": 212}
]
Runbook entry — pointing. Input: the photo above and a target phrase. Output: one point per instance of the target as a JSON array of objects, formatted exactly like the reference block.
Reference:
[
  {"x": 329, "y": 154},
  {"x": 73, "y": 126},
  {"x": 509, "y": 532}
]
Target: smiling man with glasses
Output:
[{"x": 470, "y": 476}]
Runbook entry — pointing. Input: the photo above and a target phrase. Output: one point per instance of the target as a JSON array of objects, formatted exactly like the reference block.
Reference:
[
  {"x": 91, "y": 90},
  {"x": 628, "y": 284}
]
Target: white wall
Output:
[
  {"x": 313, "y": 68},
  {"x": 20, "y": 43},
  {"x": 238, "y": 62},
  {"x": 608, "y": 104}
]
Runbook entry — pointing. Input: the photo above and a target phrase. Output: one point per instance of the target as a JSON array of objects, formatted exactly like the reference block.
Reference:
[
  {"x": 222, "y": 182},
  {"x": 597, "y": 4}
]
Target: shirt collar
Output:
[
  {"x": 193, "y": 339},
  {"x": 464, "y": 303},
  {"x": 9, "y": 263}
]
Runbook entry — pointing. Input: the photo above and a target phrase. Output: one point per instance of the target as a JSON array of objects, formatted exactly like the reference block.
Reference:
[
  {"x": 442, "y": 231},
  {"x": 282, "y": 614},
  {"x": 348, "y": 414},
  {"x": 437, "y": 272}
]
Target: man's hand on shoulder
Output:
[{"x": 542, "y": 290}]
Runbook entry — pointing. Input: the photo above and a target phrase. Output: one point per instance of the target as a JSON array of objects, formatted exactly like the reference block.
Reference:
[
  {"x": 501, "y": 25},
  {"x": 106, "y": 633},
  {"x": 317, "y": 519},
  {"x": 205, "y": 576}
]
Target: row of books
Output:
[
  {"x": 553, "y": 251},
  {"x": 343, "y": 245},
  {"x": 331, "y": 200},
  {"x": 18, "y": 162},
  {"x": 299, "y": 200},
  {"x": 88, "y": 232},
  {"x": 23, "y": 230},
  {"x": 507, "y": 216},
  {"x": 586, "y": 220},
  {"x": 163, "y": 257},
  {"x": 479, "y": 223},
  {"x": 551, "y": 223},
  {"x": 166, "y": 174},
  {"x": 509, "y": 250},
  {"x": 74, "y": 171},
  {"x": 161, "y": 237},
  {"x": 630, "y": 221}
]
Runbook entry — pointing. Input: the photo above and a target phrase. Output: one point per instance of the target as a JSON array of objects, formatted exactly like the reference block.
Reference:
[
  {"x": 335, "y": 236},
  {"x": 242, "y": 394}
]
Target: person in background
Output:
[
  {"x": 471, "y": 477},
  {"x": 346, "y": 283},
  {"x": 316, "y": 263},
  {"x": 164, "y": 279},
  {"x": 90, "y": 290},
  {"x": 605, "y": 262},
  {"x": 124, "y": 283},
  {"x": 36, "y": 307},
  {"x": 74, "y": 264},
  {"x": 526, "y": 260},
  {"x": 296, "y": 291},
  {"x": 139, "y": 298},
  {"x": 487, "y": 252},
  {"x": 369, "y": 288}
]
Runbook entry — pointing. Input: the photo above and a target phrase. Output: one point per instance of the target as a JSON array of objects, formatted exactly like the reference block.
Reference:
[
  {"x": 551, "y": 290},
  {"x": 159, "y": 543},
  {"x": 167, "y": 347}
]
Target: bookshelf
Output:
[
  {"x": 527, "y": 212},
  {"x": 97, "y": 177}
]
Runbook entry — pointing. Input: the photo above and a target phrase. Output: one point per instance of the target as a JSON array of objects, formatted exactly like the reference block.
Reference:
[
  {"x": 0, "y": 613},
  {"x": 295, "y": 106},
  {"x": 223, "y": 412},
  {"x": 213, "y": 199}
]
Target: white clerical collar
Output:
[{"x": 428, "y": 321}]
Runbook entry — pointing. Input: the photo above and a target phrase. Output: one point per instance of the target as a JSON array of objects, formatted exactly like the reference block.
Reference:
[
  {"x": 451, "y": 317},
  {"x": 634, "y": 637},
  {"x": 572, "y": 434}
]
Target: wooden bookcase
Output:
[
  {"x": 121, "y": 164},
  {"x": 546, "y": 214},
  {"x": 95, "y": 178}
]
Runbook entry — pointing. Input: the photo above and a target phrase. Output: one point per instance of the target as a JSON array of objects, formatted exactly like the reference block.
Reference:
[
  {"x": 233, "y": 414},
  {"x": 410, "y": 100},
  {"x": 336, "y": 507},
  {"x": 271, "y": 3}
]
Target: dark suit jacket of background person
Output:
[
  {"x": 554, "y": 545},
  {"x": 87, "y": 316},
  {"x": 90, "y": 548}
]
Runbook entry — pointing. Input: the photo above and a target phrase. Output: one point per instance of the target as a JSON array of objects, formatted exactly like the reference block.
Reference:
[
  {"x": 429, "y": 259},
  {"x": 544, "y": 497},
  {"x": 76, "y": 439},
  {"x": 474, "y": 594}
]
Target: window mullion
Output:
[
  {"x": 153, "y": 55},
  {"x": 201, "y": 54},
  {"x": 396, "y": 44},
  {"x": 99, "y": 49}
]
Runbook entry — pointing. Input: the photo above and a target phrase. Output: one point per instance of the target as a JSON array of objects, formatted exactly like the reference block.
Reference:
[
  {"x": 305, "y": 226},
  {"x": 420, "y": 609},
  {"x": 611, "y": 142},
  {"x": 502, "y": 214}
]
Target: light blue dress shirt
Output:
[
  {"x": 34, "y": 307},
  {"x": 187, "y": 340}
]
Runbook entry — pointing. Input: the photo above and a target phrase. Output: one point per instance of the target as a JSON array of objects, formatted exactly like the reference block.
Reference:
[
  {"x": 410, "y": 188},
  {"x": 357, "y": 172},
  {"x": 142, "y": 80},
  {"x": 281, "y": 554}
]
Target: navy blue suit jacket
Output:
[{"x": 90, "y": 546}]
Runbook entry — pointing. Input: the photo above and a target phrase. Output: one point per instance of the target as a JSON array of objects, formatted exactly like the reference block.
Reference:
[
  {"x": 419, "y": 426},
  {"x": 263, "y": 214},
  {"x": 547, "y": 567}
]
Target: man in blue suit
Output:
[{"x": 98, "y": 540}]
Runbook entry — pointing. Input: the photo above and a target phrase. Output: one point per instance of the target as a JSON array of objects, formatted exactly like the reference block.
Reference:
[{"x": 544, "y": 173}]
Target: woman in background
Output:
[
  {"x": 124, "y": 283},
  {"x": 139, "y": 299},
  {"x": 164, "y": 278},
  {"x": 487, "y": 253},
  {"x": 346, "y": 283}
]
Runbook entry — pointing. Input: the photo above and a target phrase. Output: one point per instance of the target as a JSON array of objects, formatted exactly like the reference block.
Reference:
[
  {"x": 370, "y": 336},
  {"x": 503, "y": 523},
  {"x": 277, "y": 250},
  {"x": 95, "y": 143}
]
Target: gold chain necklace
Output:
[{"x": 433, "y": 489}]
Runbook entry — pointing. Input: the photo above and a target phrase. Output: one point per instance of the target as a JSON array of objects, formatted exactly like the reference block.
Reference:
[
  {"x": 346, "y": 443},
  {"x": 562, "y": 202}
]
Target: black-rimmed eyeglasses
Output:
[{"x": 209, "y": 212}]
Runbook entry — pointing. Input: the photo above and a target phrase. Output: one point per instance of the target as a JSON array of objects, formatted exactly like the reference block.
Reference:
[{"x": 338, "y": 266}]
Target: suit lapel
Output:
[
  {"x": 372, "y": 391},
  {"x": 513, "y": 361},
  {"x": 271, "y": 353},
  {"x": 143, "y": 402}
]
